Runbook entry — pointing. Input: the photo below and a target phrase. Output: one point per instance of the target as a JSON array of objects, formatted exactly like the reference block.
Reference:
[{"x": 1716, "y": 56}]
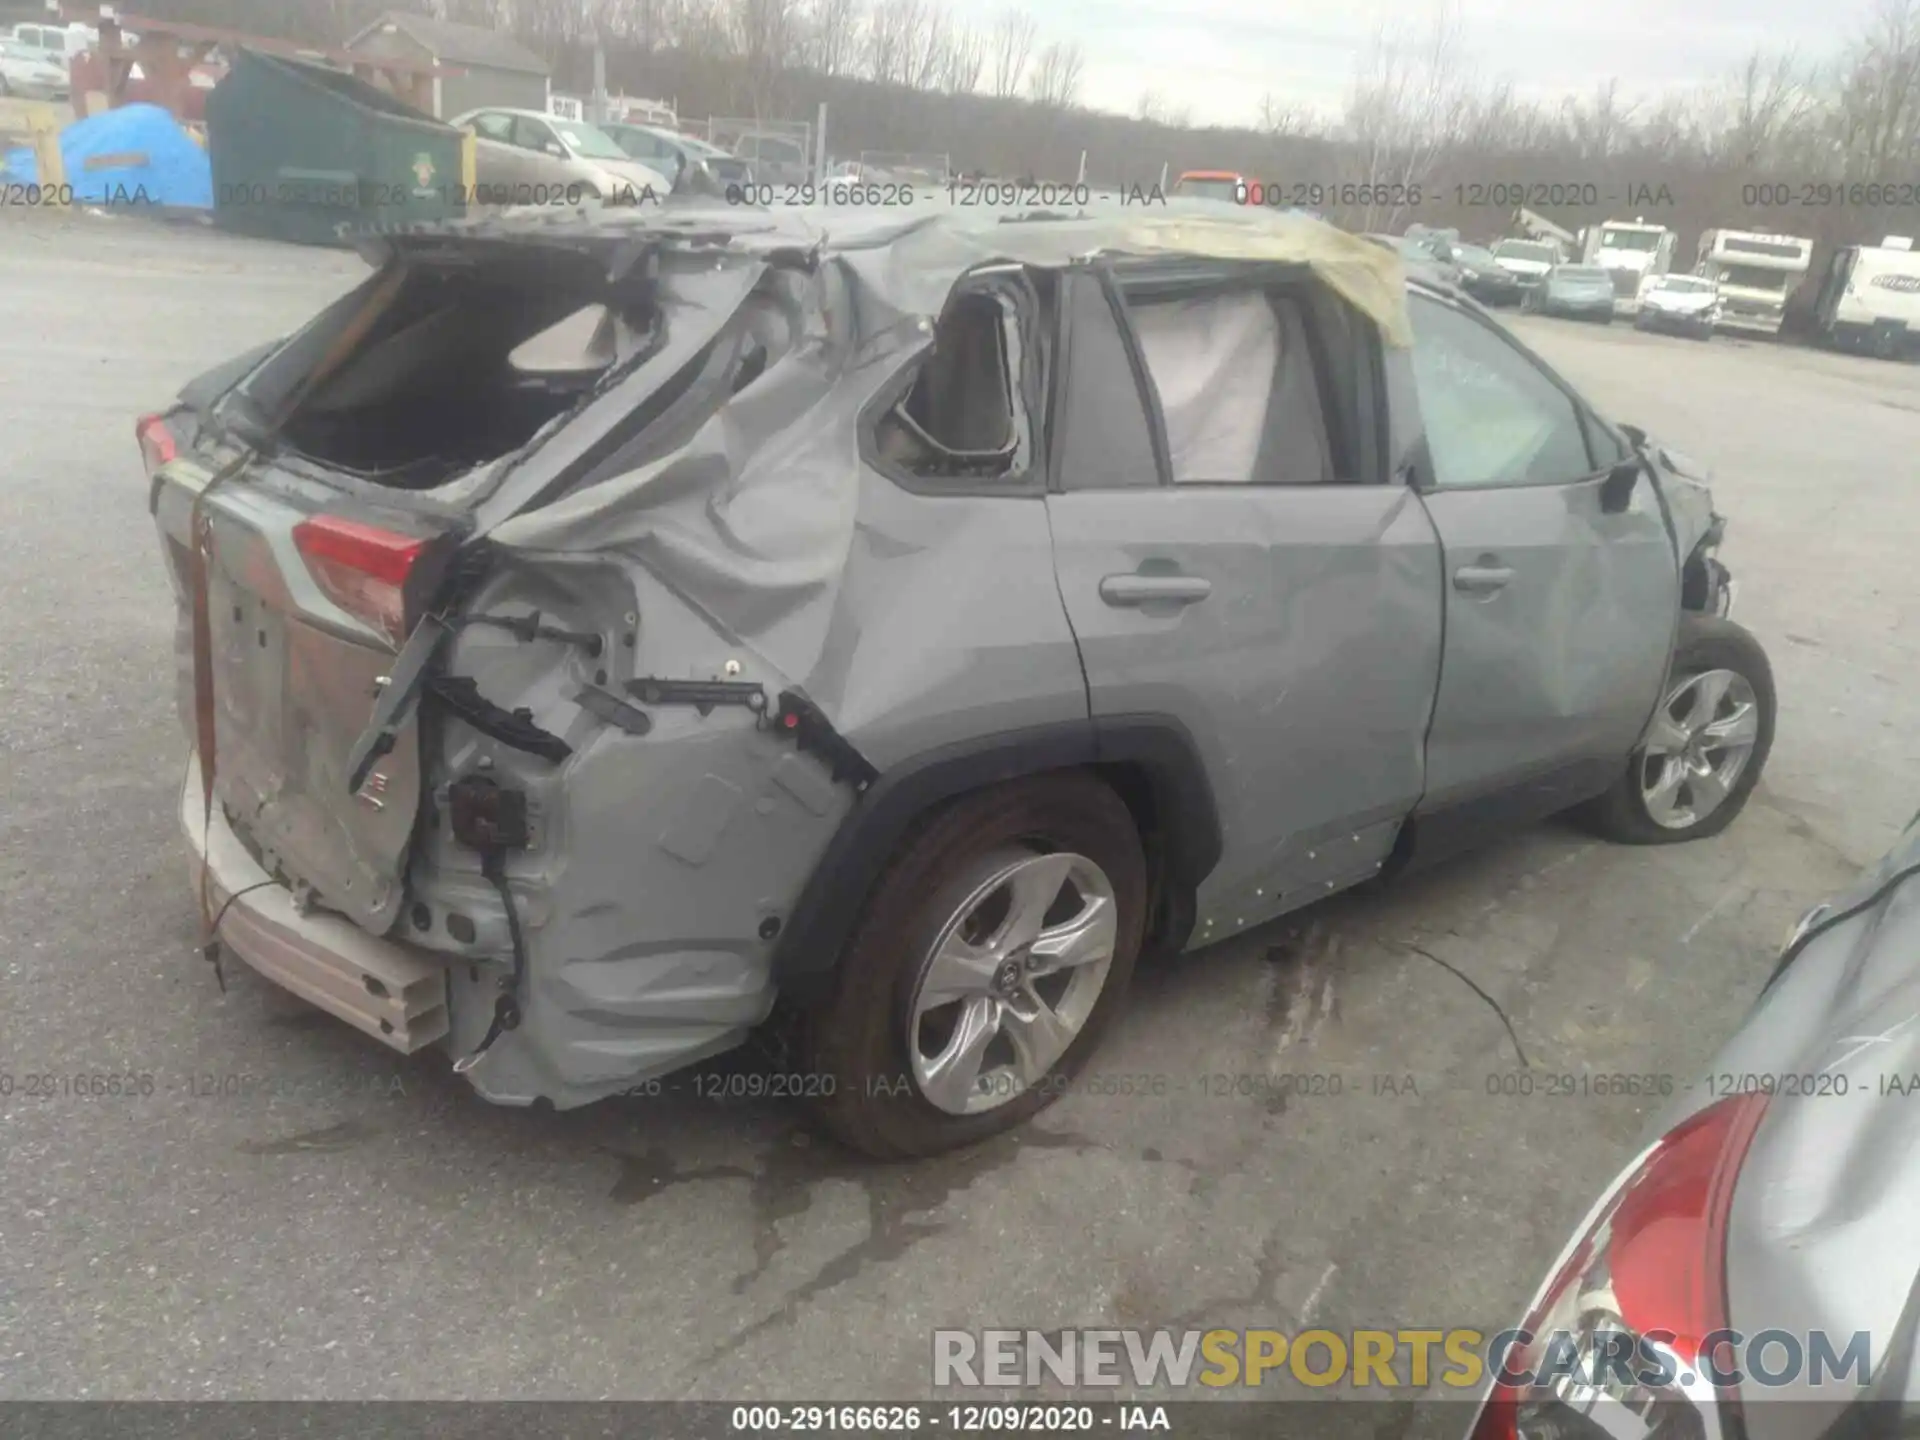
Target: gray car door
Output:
[
  {"x": 496, "y": 160},
  {"x": 1560, "y": 613},
  {"x": 1233, "y": 556},
  {"x": 537, "y": 144}
]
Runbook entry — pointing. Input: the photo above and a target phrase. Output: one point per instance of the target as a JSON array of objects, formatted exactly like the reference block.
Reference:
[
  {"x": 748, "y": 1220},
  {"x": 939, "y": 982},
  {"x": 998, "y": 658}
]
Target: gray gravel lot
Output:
[{"x": 359, "y": 1226}]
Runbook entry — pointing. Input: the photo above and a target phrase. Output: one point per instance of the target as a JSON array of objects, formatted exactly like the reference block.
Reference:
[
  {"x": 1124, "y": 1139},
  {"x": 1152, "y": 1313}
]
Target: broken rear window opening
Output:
[
  {"x": 463, "y": 365},
  {"x": 961, "y": 417}
]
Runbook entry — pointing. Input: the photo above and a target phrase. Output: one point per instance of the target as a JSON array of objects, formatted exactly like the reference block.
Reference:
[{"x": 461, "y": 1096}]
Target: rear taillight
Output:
[
  {"x": 1652, "y": 1265},
  {"x": 1669, "y": 1252},
  {"x": 361, "y": 568},
  {"x": 157, "y": 446}
]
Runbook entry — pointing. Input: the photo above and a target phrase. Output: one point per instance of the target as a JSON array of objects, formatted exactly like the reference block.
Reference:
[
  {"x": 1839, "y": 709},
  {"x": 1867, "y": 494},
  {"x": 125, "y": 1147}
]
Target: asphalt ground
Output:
[{"x": 295, "y": 1213}]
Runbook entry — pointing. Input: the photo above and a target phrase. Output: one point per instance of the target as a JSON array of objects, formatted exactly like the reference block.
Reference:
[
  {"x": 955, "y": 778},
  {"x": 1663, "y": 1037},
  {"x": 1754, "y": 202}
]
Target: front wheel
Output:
[
  {"x": 990, "y": 958},
  {"x": 1702, "y": 756}
]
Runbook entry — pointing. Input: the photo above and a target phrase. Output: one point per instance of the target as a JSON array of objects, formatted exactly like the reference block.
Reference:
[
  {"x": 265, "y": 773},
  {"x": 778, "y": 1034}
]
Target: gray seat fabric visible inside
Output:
[
  {"x": 960, "y": 400},
  {"x": 1237, "y": 389},
  {"x": 1294, "y": 448}
]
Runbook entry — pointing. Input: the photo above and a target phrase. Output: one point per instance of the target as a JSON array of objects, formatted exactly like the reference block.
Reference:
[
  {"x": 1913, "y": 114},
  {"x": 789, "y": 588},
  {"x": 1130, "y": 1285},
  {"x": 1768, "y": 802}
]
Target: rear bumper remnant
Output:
[{"x": 393, "y": 992}]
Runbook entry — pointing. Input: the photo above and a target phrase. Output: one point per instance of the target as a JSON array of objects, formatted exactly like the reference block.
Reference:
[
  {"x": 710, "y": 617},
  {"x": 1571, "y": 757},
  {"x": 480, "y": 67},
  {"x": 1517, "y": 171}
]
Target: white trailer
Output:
[
  {"x": 1870, "y": 299},
  {"x": 1756, "y": 275},
  {"x": 1632, "y": 252}
]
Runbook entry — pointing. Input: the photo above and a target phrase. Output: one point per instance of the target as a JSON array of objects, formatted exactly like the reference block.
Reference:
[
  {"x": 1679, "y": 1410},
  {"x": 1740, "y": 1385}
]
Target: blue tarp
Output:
[{"x": 136, "y": 155}]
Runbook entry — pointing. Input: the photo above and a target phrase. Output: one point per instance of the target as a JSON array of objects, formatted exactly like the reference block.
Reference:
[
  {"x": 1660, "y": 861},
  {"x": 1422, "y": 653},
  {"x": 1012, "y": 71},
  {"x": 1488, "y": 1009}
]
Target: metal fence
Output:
[
  {"x": 907, "y": 165},
  {"x": 783, "y": 148}
]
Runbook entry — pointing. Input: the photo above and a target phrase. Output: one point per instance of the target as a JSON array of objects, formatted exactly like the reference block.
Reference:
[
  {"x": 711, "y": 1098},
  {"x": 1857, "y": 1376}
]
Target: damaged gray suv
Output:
[{"x": 606, "y": 639}]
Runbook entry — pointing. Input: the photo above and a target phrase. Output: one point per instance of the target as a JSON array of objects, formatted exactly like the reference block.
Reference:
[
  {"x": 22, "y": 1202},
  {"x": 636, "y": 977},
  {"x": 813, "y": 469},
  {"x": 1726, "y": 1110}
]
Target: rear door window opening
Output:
[
  {"x": 1257, "y": 379},
  {"x": 964, "y": 412}
]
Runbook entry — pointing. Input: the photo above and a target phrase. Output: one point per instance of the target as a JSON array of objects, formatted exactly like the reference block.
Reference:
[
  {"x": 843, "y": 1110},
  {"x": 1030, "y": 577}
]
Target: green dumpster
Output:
[{"x": 299, "y": 149}]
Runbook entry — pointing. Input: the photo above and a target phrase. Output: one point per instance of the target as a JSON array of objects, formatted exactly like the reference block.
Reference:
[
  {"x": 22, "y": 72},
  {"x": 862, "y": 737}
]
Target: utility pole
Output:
[{"x": 598, "y": 105}]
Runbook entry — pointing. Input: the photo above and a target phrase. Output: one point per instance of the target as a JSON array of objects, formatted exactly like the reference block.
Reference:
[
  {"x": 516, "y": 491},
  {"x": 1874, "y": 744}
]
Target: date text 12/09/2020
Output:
[
  {"x": 1465, "y": 195},
  {"x": 1003, "y": 1418}
]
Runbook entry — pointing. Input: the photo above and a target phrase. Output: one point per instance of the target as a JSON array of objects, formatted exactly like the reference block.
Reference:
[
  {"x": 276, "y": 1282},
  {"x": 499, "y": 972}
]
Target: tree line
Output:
[{"x": 1826, "y": 146}]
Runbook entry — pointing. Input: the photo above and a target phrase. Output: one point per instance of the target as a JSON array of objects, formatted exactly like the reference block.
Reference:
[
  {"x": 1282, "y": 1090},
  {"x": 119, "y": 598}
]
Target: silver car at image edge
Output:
[
  {"x": 1779, "y": 1192},
  {"x": 608, "y": 638},
  {"x": 530, "y": 157}
]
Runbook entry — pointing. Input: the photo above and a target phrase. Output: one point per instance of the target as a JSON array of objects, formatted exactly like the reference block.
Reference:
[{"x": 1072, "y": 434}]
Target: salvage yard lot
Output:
[{"x": 291, "y": 1211}]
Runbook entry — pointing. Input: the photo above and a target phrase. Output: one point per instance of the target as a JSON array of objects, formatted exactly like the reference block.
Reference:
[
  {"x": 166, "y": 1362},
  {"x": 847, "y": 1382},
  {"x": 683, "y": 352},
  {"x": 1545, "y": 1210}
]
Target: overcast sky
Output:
[{"x": 1216, "y": 58}]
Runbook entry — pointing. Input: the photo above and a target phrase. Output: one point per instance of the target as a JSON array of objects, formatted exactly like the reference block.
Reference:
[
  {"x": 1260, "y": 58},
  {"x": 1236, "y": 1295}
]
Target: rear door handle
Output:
[
  {"x": 1482, "y": 579},
  {"x": 1154, "y": 589}
]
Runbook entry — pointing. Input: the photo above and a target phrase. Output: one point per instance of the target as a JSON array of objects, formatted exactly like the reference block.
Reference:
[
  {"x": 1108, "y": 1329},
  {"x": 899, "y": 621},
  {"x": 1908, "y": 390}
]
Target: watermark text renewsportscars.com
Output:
[{"x": 1391, "y": 1359}]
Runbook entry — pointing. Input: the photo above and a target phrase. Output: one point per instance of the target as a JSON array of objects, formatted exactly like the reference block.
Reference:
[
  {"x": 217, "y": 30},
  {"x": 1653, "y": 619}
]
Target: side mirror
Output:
[
  {"x": 1616, "y": 491},
  {"x": 555, "y": 149}
]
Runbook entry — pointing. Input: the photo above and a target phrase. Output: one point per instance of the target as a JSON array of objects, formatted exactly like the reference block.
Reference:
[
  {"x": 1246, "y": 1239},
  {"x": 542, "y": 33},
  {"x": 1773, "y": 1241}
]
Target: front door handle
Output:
[
  {"x": 1481, "y": 579},
  {"x": 1154, "y": 589}
]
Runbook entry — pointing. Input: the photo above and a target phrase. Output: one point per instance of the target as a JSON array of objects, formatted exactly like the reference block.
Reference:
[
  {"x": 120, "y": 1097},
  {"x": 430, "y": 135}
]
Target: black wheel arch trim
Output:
[{"x": 1158, "y": 746}]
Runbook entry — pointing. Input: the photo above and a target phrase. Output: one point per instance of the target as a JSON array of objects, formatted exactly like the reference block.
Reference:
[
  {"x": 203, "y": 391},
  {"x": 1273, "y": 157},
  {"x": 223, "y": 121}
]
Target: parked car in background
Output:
[
  {"x": 674, "y": 155},
  {"x": 523, "y": 155},
  {"x": 1773, "y": 1195},
  {"x": 1484, "y": 277},
  {"x": 1528, "y": 260},
  {"x": 1418, "y": 258},
  {"x": 606, "y": 761},
  {"x": 1573, "y": 292},
  {"x": 60, "y": 43},
  {"x": 1679, "y": 304},
  {"x": 773, "y": 158},
  {"x": 32, "y": 73}
]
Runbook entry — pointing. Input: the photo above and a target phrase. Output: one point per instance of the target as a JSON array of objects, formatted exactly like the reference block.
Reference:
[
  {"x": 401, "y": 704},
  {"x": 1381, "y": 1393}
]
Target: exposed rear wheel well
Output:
[
  {"x": 1149, "y": 762},
  {"x": 1170, "y": 903}
]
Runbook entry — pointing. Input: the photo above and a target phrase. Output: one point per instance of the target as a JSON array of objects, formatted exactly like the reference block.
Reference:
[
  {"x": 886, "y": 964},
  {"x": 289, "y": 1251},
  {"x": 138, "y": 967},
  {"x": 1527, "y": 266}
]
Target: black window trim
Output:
[
  {"x": 1145, "y": 390},
  {"x": 1026, "y": 482},
  {"x": 1425, "y": 477}
]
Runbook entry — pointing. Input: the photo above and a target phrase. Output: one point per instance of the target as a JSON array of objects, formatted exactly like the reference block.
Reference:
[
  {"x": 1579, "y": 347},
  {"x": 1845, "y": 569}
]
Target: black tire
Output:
[
  {"x": 853, "y": 1046},
  {"x": 1706, "y": 642}
]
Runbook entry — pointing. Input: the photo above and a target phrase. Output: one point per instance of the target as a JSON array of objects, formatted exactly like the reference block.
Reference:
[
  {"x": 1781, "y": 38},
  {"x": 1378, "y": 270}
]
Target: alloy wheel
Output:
[
  {"x": 1701, "y": 740},
  {"x": 1011, "y": 980}
]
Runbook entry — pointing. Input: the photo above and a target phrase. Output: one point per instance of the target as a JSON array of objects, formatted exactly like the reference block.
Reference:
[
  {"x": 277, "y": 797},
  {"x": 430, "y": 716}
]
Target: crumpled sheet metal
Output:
[
  {"x": 757, "y": 521},
  {"x": 914, "y": 266}
]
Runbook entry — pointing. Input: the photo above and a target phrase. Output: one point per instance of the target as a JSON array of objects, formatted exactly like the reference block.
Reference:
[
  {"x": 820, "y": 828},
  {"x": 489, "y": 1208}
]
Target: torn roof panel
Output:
[{"x": 909, "y": 259}]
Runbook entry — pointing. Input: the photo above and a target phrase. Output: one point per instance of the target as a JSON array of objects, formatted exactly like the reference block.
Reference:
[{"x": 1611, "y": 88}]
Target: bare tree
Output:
[
  {"x": 1278, "y": 119},
  {"x": 966, "y": 57},
  {"x": 763, "y": 33},
  {"x": 1598, "y": 125},
  {"x": 1055, "y": 81},
  {"x": 1410, "y": 102},
  {"x": 897, "y": 41},
  {"x": 1764, "y": 102},
  {"x": 833, "y": 36},
  {"x": 1009, "y": 49},
  {"x": 700, "y": 29},
  {"x": 927, "y": 46},
  {"x": 1878, "y": 118}
]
